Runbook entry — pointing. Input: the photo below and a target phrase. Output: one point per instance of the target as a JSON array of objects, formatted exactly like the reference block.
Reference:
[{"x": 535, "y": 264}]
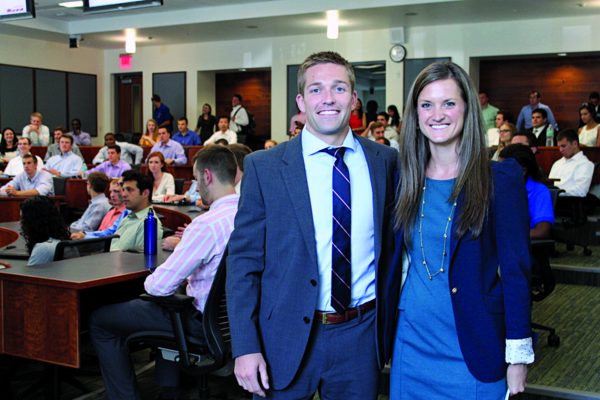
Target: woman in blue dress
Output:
[{"x": 463, "y": 242}]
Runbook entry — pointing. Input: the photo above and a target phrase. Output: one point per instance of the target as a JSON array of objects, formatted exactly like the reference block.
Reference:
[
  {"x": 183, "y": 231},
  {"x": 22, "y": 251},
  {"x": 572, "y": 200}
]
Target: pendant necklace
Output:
[{"x": 444, "y": 252}]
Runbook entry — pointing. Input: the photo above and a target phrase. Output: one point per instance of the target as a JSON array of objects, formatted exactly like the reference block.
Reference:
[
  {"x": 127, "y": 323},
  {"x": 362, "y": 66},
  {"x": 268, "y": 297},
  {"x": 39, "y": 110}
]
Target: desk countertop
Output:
[{"x": 85, "y": 272}]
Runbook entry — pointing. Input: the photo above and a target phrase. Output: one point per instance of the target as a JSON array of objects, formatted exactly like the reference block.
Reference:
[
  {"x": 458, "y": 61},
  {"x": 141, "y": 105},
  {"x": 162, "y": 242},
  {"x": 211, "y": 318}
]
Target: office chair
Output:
[
  {"x": 179, "y": 185},
  {"x": 574, "y": 223},
  {"x": 195, "y": 356},
  {"x": 81, "y": 248},
  {"x": 542, "y": 281}
]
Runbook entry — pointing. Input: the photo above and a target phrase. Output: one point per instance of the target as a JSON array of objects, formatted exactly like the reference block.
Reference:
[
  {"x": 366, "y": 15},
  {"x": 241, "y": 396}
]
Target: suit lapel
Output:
[
  {"x": 377, "y": 173},
  {"x": 294, "y": 178}
]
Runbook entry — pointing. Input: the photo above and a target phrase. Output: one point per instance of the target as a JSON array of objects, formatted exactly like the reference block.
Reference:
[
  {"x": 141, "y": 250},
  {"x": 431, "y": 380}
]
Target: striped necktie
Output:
[{"x": 341, "y": 271}]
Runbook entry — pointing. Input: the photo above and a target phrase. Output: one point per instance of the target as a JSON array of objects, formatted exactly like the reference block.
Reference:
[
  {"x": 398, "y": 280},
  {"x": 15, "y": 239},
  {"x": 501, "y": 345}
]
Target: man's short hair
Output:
[
  {"x": 98, "y": 181},
  {"x": 155, "y": 97},
  {"x": 31, "y": 156},
  {"x": 594, "y": 95},
  {"x": 220, "y": 117},
  {"x": 385, "y": 141},
  {"x": 109, "y": 134},
  {"x": 376, "y": 125},
  {"x": 540, "y": 111},
  {"x": 76, "y": 119},
  {"x": 218, "y": 159},
  {"x": 114, "y": 147},
  {"x": 240, "y": 151},
  {"x": 37, "y": 114},
  {"x": 143, "y": 181},
  {"x": 222, "y": 142},
  {"x": 165, "y": 128},
  {"x": 239, "y": 96},
  {"x": 60, "y": 128},
  {"x": 68, "y": 137},
  {"x": 183, "y": 119},
  {"x": 324, "y": 57},
  {"x": 484, "y": 92},
  {"x": 537, "y": 93},
  {"x": 25, "y": 138},
  {"x": 568, "y": 134},
  {"x": 384, "y": 115},
  {"x": 531, "y": 139}
]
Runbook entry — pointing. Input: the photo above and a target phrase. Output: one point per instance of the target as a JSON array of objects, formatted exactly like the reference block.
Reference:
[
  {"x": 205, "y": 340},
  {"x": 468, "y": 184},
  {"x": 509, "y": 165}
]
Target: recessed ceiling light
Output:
[
  {"x": 71, "y": 4},
  {"x": 562, "y": 54}
]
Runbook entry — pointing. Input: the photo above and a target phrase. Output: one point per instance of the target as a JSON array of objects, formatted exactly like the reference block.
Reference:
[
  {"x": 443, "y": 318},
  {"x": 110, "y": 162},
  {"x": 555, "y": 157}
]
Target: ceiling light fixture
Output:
[
  {"x": 71, "y": 4},
  {"x": 130, "y": 40},
  {"x": 333, "y": 24}
]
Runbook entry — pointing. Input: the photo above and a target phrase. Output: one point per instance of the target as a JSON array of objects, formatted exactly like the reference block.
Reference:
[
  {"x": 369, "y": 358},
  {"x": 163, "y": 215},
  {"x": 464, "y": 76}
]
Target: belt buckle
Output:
[{"x": 324, "y": 320}]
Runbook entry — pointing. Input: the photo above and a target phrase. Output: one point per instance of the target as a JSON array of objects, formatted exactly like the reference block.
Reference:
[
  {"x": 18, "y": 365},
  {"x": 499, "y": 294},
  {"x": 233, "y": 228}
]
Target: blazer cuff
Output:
[{"x": 519, "y": 351}]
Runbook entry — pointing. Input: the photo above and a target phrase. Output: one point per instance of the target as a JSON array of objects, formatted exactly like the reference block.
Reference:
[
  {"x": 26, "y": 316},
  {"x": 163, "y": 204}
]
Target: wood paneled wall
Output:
[
  {"x": 564, "y": 83},
  {"x": 255, "y": 89}
]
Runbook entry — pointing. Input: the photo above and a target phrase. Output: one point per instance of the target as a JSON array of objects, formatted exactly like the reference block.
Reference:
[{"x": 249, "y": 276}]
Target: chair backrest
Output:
[
  {"x": 215, "y": 319},
  {"x": 81, "y": 248},
  {"x": 60, "y": 184},
  {"x": 179, "y": 185}
]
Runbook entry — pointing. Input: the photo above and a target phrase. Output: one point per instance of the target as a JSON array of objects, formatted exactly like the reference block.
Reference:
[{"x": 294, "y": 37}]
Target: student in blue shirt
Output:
[{"x": 185, "y": 136}]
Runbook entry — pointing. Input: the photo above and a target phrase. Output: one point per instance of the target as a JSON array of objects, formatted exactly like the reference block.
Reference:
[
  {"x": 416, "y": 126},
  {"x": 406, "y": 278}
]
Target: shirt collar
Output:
[
  {"x": 312, "y": 145},
  {"x": 98, "y": 199},
  {"x": 224, "y": 200}
]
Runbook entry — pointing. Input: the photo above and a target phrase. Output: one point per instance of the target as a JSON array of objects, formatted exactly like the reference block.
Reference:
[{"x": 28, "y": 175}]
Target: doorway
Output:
[{"x": 128, "y": 106}]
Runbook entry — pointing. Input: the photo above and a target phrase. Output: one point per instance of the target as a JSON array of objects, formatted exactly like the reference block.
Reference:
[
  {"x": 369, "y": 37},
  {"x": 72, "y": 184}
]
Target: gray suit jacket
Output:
[{"x": 272, "y": 275}]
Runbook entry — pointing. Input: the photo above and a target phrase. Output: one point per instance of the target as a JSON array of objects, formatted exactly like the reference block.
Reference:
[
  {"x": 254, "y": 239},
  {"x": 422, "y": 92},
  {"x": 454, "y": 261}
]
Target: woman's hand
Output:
[{"x": 516, "y": 378}]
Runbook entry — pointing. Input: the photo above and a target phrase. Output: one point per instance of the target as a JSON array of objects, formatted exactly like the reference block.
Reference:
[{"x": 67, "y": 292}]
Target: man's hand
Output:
[
  {"x": 11, "y": 191},
  {"x": 249, "y": 368},
  {"x": 180, "y": 230},
  {"x": 170, "y": 242},
  {"x": 4, "y": 264},
  {"x": 172, "y": 198},
  {"x": 169, "y": 161},
  {"x": 77, "y": 235},
  {"x": 516, "y": 378},
  {"x": 53, "y": 171}
]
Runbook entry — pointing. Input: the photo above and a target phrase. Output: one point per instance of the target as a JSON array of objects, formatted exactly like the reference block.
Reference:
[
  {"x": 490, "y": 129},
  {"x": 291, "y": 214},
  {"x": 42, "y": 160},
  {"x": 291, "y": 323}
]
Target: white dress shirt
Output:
[
  {"x": 574, "y": 174},
  {"x": 319, "y": 167}
]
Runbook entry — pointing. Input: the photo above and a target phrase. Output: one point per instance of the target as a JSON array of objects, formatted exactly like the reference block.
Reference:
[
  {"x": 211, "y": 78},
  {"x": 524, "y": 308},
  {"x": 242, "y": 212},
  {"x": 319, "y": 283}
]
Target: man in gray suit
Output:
[{"x": 307, "y": 294}]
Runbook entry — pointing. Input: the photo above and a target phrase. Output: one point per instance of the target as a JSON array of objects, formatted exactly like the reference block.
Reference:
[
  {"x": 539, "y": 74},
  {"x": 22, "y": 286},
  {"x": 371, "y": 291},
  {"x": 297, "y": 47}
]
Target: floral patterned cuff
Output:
[{"x": 519, "y": 351}]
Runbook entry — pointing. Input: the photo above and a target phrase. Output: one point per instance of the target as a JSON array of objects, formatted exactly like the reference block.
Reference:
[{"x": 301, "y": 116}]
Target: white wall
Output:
[
  {"x": 56, "y": 56},
  {"x": 461, "y": 42}
]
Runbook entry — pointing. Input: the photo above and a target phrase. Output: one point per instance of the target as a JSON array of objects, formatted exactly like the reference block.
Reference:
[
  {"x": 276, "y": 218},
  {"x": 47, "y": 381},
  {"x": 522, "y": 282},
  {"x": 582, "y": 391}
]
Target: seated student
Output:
[
  {"x": 114, "y": 166},
  {"x": 130, "y": 153},
  {"x": 172, "y": 151},
  {"x": 30, "y": 182},
  {"x": 42, "y": 227},
  {"x": 164, "y": 183},
  {"x": 8, "y": 145},
  {"x": 526, "y": 138},
  {"x": 80, "y": 137},
  {"x": 36, "y": 131},
  {"x": 573, "y": 171},
  {"x": 137, "y": 189},
  {"x": 15, "y": 166},
  {"x": 240, "y": 151},
  {"x": 99, "y": 206},
  {"x": 191, "y": 196},
  {"x": 507, "y": 131},
  {"x": 223, "y": 132},
  {"x": 270, "y": 143},
  {"x": 493, "y": 134},
  {"x": 588, "y": 132},
  {"x": 185, "y": 136},
  {"x": 541, "y": 211},
  {"x": 377, "y": 131},
  {"x": 107, "y": 225},
  {"x": 195, "y": 260},
  {"x": 66, "y": 164},
  {"x": 54, "y": 148}
]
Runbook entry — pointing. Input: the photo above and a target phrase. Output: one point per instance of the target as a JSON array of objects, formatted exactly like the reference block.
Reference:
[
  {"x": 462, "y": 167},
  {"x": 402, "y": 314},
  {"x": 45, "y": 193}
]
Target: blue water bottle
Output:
[{"x": 150, "y": 233}]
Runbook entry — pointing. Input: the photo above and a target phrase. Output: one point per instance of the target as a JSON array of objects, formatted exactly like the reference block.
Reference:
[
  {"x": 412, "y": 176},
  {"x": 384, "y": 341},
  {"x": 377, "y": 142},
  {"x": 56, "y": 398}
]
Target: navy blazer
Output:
[
  {"x": 490, "y": 307},
  {"x": 272, "y": 274}
]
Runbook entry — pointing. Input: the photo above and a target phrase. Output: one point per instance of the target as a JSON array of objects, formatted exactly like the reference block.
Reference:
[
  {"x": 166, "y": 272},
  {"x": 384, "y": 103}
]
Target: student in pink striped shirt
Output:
[{"x": 195, "y": 259}]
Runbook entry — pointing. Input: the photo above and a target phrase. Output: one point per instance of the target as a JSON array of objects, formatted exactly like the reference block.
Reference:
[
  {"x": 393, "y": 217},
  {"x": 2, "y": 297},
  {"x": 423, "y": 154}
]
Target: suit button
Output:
[
  {"x": 306, "y": 320},
  {"x": 313, "y": 282},
  {"x": 454, "y": 290}
]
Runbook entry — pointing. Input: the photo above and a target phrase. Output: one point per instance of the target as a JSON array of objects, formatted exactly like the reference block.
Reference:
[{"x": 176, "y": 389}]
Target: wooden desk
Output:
[
  {"x": 16, "y": 249},
  {"x": 44, "y": 308},
  {"x": 7, "y": 236},
  {"x": 10, "y": 206}
]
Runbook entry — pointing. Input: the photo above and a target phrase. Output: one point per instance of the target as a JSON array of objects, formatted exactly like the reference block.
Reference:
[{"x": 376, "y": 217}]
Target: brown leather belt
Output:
[{"x": 351, "y": 313}]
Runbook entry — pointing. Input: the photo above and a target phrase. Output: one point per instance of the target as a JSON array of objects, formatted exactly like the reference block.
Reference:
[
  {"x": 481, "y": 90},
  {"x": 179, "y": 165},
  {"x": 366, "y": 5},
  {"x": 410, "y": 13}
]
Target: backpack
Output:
[{"x": 250, "y": 129}]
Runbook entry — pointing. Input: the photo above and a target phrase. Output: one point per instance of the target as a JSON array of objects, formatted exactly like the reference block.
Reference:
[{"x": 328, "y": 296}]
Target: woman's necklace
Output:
[{"x": 444, "y": 252}]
